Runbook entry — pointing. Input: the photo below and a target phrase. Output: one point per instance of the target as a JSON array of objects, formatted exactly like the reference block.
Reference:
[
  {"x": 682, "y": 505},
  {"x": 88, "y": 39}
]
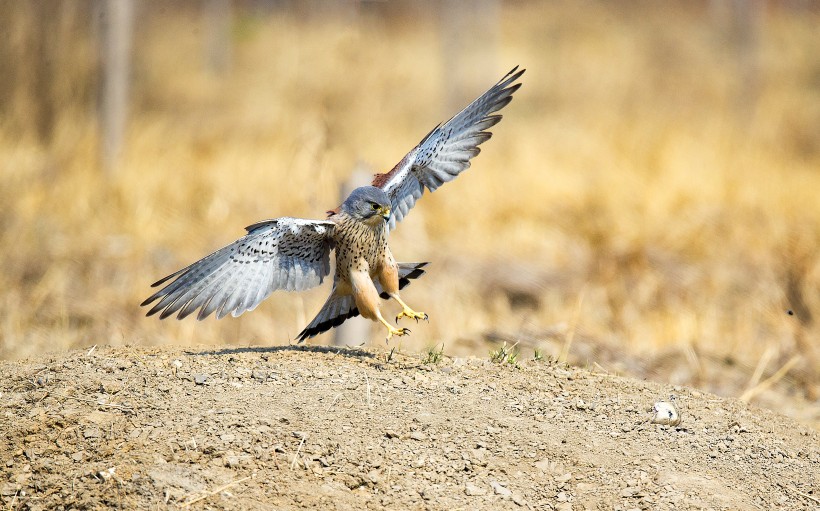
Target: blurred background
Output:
[{"x": 648, "y": 206}]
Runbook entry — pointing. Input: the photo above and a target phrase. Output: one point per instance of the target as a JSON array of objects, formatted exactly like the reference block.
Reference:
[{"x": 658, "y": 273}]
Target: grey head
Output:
[{"x": 367, "y": 202}]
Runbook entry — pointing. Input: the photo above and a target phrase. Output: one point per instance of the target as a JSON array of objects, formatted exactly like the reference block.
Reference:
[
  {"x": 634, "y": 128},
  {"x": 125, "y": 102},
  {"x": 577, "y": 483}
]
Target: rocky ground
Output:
[{"x": 319, "y": 428}]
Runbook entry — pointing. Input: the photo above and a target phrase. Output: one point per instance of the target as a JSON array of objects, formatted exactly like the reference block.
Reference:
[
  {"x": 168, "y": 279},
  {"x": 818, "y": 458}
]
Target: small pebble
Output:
[
  {"x": 474, "y": 491},
  {"x": 500, "y": 489},
  {"x": 665, "y": 414}
]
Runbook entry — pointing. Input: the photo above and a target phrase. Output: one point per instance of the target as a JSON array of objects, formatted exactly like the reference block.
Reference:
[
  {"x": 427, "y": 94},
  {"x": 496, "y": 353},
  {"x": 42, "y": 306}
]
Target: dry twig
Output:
[
  {"x": 298, "y": 450},
  {"x": 562, "y": 356},
  {"x": 802, "y": 494},
  {"x": 367, "y": 380},
  {"x": 771, "y": 380},
  {"x": 214, "y": 492}
]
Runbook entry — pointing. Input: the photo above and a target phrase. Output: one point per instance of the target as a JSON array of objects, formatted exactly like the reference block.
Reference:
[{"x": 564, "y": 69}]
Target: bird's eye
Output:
[{"x": 374, "y": 206}]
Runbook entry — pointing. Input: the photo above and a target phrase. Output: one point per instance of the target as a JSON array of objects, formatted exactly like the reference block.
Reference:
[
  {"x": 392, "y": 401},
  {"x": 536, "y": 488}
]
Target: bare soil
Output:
[{"x": 320, "y": 428}]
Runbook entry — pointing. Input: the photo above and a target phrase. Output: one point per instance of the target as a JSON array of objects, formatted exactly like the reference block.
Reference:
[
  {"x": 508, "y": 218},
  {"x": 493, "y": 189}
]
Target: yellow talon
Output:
[
  {"x": 410, "y": 313},
  {"x": 396, "y": 331}
]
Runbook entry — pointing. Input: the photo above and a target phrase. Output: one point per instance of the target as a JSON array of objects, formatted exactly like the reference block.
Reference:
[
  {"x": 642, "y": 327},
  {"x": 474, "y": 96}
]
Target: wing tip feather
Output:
[
  {"x": 512, "y": 76},
  {"x": 165, "y": 279}
]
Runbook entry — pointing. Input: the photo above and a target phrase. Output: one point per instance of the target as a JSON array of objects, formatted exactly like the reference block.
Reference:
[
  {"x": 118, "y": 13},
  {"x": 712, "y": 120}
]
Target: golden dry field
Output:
[{"x": 651, "y": 194}]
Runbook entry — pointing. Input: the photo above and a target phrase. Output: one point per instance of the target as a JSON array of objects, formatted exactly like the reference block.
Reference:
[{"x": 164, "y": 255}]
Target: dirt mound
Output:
[{"x": 320, "y": 428}]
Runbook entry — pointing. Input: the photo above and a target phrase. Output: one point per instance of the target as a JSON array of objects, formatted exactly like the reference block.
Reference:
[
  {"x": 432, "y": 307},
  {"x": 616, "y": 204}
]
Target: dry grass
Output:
[{"x": 639, "y": 165}]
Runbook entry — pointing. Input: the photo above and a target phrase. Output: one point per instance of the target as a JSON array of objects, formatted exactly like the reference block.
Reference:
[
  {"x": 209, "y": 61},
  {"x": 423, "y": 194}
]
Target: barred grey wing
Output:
[
  {"x": 285, "y": 253},
  {"x": 446, "y": 151}
]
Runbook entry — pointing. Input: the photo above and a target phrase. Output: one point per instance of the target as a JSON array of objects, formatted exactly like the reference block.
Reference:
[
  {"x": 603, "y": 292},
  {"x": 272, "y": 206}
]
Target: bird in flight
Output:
[{"x": 294, "y": 254}]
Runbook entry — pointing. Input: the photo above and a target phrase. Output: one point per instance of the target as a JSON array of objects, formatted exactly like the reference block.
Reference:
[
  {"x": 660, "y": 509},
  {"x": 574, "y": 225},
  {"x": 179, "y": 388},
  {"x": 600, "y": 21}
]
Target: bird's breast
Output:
[{"x": 359, "y": 247}]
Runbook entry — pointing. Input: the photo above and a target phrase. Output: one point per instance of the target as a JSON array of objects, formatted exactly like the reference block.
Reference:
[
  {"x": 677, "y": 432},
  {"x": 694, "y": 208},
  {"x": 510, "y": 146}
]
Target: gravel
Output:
[{"x": 319, "y": 428}]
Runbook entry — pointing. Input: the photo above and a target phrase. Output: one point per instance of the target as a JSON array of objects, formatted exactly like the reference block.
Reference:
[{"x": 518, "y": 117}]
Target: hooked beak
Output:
[{"x": 385, "y": 213}]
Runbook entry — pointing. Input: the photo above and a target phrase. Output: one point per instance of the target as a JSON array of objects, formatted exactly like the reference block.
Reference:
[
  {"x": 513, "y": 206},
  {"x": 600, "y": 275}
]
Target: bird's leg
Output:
[
  {"x": 367, "y": 300},
  {"x": 391, "y": 330},
  {"x": 407, "y": 311}
]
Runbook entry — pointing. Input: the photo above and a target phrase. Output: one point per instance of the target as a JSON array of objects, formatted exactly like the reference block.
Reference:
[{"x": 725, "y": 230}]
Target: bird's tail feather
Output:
[{"x": 337, "y": 309}]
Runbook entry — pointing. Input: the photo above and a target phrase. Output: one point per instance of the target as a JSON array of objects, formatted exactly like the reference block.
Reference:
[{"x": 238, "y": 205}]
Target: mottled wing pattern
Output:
[
  {"x": 285, "y": 253},
  {"x": 446, "y": 151}
]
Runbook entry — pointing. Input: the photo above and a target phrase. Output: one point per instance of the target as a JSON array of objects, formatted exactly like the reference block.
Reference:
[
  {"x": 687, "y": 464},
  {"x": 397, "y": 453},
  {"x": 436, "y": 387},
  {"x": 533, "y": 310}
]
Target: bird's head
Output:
[{"x": 368, "y": 204}]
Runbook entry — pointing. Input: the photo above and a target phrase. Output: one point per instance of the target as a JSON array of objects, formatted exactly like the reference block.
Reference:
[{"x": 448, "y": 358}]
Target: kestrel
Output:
[{"x": 294, "y": 254}]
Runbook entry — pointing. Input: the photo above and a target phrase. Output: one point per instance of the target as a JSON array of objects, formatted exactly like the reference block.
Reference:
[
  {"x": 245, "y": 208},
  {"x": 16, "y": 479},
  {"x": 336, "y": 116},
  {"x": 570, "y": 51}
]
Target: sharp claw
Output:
[
  {"x": 412, "y": 315},
  {"x": 397, "y": 332}
]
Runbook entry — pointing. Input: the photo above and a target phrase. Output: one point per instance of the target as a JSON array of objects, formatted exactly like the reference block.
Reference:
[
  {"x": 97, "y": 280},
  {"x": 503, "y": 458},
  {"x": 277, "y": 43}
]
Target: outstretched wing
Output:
[
  {"x": 446, "y": 151},
  {"x": 286, "y": 253}
]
